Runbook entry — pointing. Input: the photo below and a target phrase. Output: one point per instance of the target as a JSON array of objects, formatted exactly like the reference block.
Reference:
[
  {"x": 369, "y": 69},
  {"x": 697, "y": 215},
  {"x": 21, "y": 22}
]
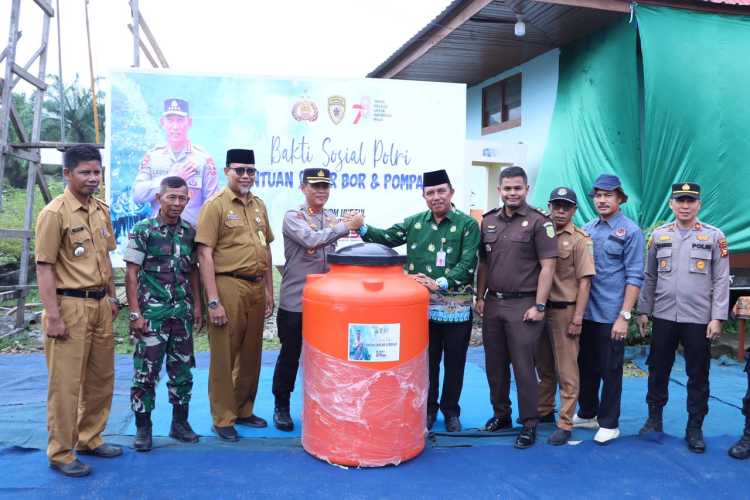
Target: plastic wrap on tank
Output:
[{"x": 378, "y": 415}]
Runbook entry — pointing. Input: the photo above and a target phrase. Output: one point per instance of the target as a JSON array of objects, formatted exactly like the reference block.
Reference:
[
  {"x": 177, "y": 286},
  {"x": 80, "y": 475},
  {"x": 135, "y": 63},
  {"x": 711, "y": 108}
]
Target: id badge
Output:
[{"x": 440, "y": 258}]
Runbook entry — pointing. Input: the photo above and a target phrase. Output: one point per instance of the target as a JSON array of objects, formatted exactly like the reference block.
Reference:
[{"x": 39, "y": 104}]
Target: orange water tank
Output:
[{"x": 365, "y": 359}]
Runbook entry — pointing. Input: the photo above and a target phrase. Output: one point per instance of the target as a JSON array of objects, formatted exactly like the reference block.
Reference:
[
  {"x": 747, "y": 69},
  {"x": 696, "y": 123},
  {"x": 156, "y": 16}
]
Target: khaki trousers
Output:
[
  {"x": 235, "y": 350},
  {"x": 557, "y": 362},
  {"x": 80, "y": 377}
]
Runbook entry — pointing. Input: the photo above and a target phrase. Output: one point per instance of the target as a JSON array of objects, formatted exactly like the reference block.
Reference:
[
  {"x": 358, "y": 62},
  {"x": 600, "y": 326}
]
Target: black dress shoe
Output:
[
  {"x": 694, "y": 438},
  {"x": 143, "y": 440},
  {"x": 559, "y": 437},
  {"x": 228, "y": 433},
  {"x": 431, "y": 417},
  {"x": 547, "y": 419},
  {"x": 526, "y": 437},
  {"x": 498, "y": 423},
  {"x": 452, "y": 424},
  {"x": 75, "y": 468},
  {"x": 252, "y": 421},
  {"x": 104, "y": 450},
  {"x": 283, "y": 420}
]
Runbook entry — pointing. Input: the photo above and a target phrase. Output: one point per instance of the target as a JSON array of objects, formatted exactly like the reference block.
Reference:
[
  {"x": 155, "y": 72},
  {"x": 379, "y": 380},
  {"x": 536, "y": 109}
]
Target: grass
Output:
[{"x": 11, "y": 217}]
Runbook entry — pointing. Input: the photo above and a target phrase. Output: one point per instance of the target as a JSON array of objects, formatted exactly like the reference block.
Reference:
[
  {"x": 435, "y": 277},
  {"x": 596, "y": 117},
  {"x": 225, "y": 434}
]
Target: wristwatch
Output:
[
  {"x": 541, "y": 307},
  {"x": 134, "y": 316},
  {"x": 213, "y": 303},
  {"x": 626, "y": 314}
]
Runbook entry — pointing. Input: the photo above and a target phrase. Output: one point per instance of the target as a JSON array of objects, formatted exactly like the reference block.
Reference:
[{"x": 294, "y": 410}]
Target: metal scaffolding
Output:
[{"x": 28, "y": 148}]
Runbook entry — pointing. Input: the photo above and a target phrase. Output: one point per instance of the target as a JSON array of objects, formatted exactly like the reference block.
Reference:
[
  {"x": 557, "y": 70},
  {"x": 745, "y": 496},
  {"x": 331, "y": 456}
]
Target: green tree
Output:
[{"x": 78, "y": 113}]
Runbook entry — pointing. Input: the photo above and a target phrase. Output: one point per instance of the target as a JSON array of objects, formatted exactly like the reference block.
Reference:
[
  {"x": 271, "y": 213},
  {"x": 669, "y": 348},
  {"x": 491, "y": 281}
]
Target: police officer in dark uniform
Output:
[
  {"x": 517, "y": 258},
  {"x": 686, "y": 290},
  {"x": 741, "y": 449}
]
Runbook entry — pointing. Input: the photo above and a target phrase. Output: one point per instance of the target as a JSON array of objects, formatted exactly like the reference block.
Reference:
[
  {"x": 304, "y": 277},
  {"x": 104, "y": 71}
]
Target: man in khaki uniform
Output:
[
  {"x": 73, "y": 239},
  {"x": 234, "y": 252},
  {"x": 557, "y": 356}
]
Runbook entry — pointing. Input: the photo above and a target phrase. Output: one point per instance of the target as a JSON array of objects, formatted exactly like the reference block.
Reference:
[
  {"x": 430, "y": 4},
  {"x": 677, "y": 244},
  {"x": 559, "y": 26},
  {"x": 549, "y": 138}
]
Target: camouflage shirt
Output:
[{"x": 166, "y": 254}]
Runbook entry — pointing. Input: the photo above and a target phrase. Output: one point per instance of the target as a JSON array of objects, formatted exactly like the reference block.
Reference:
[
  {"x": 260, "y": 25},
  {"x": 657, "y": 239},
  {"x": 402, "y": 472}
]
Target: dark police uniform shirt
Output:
[{"x": 513, "y": 246}]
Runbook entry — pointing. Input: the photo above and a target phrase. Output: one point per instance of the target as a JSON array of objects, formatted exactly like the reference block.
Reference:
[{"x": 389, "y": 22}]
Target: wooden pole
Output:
[{"x": 91, "y": 72}]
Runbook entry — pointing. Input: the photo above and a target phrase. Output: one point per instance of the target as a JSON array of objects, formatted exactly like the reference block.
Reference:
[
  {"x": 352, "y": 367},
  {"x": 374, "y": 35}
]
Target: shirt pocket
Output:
[
  {"x": 614, "y": 248},
  {"x": 699, "y": 260},
  {"x": 81, "y": 239},
  {"x": 488, "y": 240},
  {"x": 237, "y": 231},
  {"x": 664, "y": 259},
  {"x": 159, "y": 258}
]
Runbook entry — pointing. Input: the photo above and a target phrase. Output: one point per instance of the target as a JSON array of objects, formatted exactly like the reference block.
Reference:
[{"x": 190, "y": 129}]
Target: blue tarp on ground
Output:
[{"x": 272, "y": 463}]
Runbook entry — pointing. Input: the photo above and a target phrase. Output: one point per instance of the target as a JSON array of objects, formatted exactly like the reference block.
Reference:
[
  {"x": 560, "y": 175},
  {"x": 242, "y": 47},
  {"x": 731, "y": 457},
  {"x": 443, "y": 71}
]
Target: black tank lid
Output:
[{"x": 367, "y": 254}]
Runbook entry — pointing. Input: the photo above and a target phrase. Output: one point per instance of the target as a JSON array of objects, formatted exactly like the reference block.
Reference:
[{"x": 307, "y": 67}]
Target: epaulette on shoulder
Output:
[
  {"x": 214, "y": 196},
  {"x": 101, "y": 202},
  {"x": 582, "y": 232},
  {"x": 257, "y": 198},
  {"x": 541, "y": 211},
  {"x": 491, "y": 212}
]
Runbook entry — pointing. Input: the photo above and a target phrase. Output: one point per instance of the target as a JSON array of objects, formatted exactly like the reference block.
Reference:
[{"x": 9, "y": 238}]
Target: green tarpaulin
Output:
[{"x": 694, "y": 118}]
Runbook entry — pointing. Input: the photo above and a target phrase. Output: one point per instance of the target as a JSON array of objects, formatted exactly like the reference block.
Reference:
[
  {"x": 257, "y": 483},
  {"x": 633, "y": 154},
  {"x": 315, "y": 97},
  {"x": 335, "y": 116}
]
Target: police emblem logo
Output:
[
  {"x": 664, "y": 237},
  {"x": 525, "y": 223},
  {"x": 686, "y": 187},
  {"x": 321, "y": 173},
  {"x": 550, "y": 231},
  {"x": 663, "y": 264},
  {"x": 562, "y": 191},
  {"x": 488, "y": 247},
  {"x": 700, "y": 265},
  {"x": 78, "y": 251},
  {"x": 702, "y": 237},
  {"x": 173, "y": 106},
  {"x": 620, "y": 232},
  {"x": 305, "y": 111},
  {"x": 336, "y": 108}
]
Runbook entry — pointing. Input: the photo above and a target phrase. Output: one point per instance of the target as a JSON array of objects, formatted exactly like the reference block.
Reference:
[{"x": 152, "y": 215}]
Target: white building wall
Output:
[{"x": 538, "y": 92}]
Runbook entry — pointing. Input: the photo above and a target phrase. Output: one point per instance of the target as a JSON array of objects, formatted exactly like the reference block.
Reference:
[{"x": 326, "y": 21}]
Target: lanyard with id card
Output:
[{"x": 440, "y": 257}]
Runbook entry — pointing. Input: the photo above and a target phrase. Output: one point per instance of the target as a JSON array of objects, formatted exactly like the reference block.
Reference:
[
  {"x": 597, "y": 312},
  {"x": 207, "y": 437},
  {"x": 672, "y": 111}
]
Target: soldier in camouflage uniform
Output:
[
  {"x": 178, "y": 157},
  {"x": 163, "y": 292}
]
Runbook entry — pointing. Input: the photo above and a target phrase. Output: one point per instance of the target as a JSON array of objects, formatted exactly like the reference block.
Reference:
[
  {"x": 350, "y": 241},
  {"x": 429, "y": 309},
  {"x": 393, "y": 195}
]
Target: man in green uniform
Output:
[
  {"x": 163, "y": 288},
  {"x": 442, "y": 254}
]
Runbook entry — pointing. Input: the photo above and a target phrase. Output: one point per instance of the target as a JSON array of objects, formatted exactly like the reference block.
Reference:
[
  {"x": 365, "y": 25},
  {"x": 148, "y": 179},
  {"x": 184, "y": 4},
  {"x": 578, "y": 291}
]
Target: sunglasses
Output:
[{"x": 243, "y": 170}]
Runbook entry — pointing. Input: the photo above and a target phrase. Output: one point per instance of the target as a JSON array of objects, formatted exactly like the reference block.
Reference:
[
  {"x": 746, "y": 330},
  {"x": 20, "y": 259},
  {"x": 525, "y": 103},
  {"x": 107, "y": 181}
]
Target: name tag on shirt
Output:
[
  {"x": 440, "y": 259},
  {"x": 233, "y": 217}
]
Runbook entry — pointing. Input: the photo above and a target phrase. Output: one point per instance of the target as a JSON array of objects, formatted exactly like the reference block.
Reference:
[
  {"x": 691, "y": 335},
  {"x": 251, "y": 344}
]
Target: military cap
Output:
[
  {"x": 608, "y": 182},
  {"x": 244, "y": 156},
  {"x": 563, "y": 194},
  {"x": 686, "y": 190},
  {"x": 435, "y": 178},
  {"x": 175, "y": 106},
  {"x": 316, "y": 175}
]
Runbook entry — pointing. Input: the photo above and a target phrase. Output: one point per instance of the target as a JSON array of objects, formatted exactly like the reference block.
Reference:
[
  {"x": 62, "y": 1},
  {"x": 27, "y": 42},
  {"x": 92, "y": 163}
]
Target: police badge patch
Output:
[
  {"x": 336, "y": 108},
  {"x": 305, "y": 110}
]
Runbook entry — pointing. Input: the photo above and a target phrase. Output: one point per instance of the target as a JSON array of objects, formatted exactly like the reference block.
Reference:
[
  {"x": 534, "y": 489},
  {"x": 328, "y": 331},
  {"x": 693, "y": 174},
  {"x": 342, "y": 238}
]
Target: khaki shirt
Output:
[
  {"x": 575, "y": 260},
  {"x": 237, "y": 229},
  {"x": 687, "y": 278},
  {"x": 512, "y": 248},
  {"x": 308, "y": 239},
  {"x": 77, "y": 240}
]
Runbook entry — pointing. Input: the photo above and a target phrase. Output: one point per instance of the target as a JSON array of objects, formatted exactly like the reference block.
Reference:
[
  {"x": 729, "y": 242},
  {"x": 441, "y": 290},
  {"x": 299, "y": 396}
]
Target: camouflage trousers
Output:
[{"x": 171, "y": 337}]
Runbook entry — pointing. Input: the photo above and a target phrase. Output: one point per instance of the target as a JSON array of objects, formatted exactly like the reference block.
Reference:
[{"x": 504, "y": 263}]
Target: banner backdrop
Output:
[{"x": 376, "y": 136}]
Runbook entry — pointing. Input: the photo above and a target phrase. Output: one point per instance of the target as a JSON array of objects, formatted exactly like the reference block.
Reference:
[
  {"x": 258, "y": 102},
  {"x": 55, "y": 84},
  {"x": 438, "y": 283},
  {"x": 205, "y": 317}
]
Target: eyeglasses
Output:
[{"x": 243, "y": 170}]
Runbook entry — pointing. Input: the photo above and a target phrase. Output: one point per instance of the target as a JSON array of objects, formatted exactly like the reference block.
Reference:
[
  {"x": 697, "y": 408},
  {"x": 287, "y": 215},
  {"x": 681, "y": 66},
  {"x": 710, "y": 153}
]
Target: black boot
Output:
[
  {"x": 653, "y": 422},
  {"x": 694, "y": 435},
  {"x": 180, "y": 429},
  {"x": 143, "y": 440},
  {"x": 741, "y": 449},
  {"x": 282, "y": 419}
]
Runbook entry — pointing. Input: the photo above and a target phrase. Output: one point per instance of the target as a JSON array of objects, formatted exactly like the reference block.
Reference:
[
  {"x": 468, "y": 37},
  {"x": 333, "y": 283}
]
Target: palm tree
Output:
[{"x": 78, "y": 112}]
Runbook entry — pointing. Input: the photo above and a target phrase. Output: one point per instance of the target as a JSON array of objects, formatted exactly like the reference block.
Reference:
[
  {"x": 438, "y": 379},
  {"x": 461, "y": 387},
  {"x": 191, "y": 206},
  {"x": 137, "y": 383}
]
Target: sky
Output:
[{"x": 292, "y": 38}]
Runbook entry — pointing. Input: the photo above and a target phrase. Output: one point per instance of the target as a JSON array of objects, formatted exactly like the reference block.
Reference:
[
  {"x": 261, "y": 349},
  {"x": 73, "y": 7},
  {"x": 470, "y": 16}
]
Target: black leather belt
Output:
[
  {"x": 83, "y": 294},
  {"x": 510, "y": 295},
  {"x": 251, "y": 279},
  {"x": 559, "y": 305}
]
